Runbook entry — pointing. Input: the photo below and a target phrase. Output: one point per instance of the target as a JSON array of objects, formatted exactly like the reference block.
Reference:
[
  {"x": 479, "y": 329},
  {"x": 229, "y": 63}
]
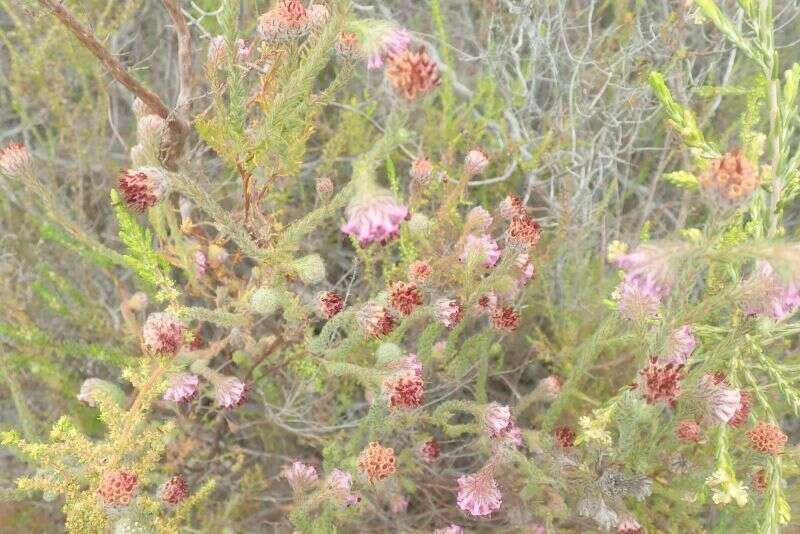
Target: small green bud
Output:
[
  {"x": 310, "y": 269},
  {"x": 419, "y": 224},
  {"x": 93, "y": 388},
  {"x": 265, "y": 301},
  {"x": 388, "y": 352}
]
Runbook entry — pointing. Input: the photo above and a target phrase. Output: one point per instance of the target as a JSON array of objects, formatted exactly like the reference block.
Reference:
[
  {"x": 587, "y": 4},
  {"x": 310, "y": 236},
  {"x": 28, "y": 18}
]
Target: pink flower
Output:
[
  {"x": 768, "y": 296},
  {"x": 478, "y": 494},
  {"x": 230, "y": 391},
  {"x": 525, "y": 267},
  {"x": 487, "y": 303},
  {"x": 452, "y": 529},
  {"x": 374, "y": 215},
  {"x": 629, "y": 525},
  {"x": 638, "y": 298},
  {"x": 143, "y": 188},
  {"x": 411, "y": 364},
  {"x": 430, "y": 450},
  {"x": 476, "y": 162},
  {"x": 720, "y": 401},
  {"x": 300, "y": 476},
  {"x": 340, "y": 484},
  {"x": 398, "y": 504},
  {"x": 182, "y": 387},
  {"x": 483, "y": 249},
  {"x": 162, "y": 333},
  {"x": 549, "y": 387},
  {"x": 15, "y": 160},
  {"x": 511, "y": 207},
  {"x": 200, "y": 263},
  {"x": 393, "y": 42},
  {"x": 448, "y": 311},
  {"x": 480, "y": 219},
  {"x": 681, "y": 345},
  {"x": 496, "y": 418}
]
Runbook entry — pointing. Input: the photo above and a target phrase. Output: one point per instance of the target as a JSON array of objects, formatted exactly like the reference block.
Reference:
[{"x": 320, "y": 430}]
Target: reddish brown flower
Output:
[
  {"x": 143, "y": 188},
  {"x": 375, "y": 320},
  {"x": 117, "y": 487},
  {"x": 505, "y": 319},
  {"x": 767, "y": 438},
  {"x": 564, "y": 437},
  {"x": 404, "y": 296},
  {"x": 421, "y": 170},
  {"x": 419, "y": 271},
  {"x": 430, "y": 450},
  {"x": 330, "y": 303},
  {"x": 661, "y": 382},
  {"x": 743, "y": 412},
  {"x": 524, "y": 231},
  {"x": 511, "y": 207},
  {"x": 15, "y": 160},
  {"x": 346, "y": 45},
  {"x": 286, "y": 21},
  {"x": 731, "y": 178},
  {"x": 405, "y": 391},
  {"x": 175, "y": 490},
  {"x": 413, "y": 73},
  {"x": 377, "y": 462},
  {"x": 688, "y": 431}
]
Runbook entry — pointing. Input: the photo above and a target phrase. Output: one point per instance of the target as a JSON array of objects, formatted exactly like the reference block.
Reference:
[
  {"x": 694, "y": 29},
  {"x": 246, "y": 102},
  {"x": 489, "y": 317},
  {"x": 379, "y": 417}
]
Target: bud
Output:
[
  {"x": 388, "y": 352},
  {"x": 149, "y": 130},
  {"x": 421, "y": 171},
  {"x": 310, "y": 269},
  {"x": 140, "y": 109},
  {"x": 16, "y": 161},
  {"x": 346, "y": 45},
  {"x": 174, "y": 491},
  {"x": 92, "y": 387},
  {"x": 265, "y": 301},
  {"x": 476, "y": 162},
  {"x": 419, "y": 225},
  {"x": 324, "y": 186}
]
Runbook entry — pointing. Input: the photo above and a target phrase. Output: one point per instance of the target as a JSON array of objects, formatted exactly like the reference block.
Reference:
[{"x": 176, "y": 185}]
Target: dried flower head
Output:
[
  {"x": 182, "y": 387},
  {"x": 346, "y": 45},
  {"x": 376, "y": 462},
  {"x": 742, "y": 412},
  {"x": 481, "y": 249},
  {"x": 419, "y": 271},
  {"x": 421, "y": 171},
  {"x": 767, "y": 438},
  {"x": 16, "y": 161},
  {"x": 719, "y": 400},
  {"x": 564, "y": 437},
  {"x": 144, "y": 187},
  {"x": 448, "y": 311},
  {"x": 476, "y": 161},
  {"x": 229, "y": 391},
  {"x": 511, "y": 207},
  {"x": 374, "y": 214},
  {"x": 661, "y": 383},
  {"x": 404, "y": 296},
  {"x": 330, "y": 303},
  {"x": 300, "y": 476},
  {"x": 288, "y": 20},
  {"x": 430, "y": 450},
  {"x": 174, "y": 491},
  {"x": 162, "y": 333},
  {"x": 524, "y": 231},
  {"x": 413, "y": 73},
  {"x": 375, "y": 320},
  {"x": 731, "y": 178},
  {"x": 324, "y": 186},
  {"x": 505, "y": 318},
  {"x": 478, "y": 494},
  {"x": 688, "y": 431},
  {"x": 760, "y": 481},
  {"x": 117, "y": 487},
  {"x": 405, "y": 391}
]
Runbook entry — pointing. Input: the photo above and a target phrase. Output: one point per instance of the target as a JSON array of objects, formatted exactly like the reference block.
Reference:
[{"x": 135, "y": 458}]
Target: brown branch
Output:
[
  {"x": 184, "y": 57},
  {"x": 178, "y": 127}
]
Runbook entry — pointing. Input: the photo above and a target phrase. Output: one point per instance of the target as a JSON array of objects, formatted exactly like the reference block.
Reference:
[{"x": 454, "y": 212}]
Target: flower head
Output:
[
  {"x": 288, "y": 20},
  {"x": 487, "y": 303},
  {"x": 330, "y": 303},
  {"x": 174, "y": 491},
  {"x": 524, "y": 231},
  {"x": 478, "y": 494},
  {"x": 688, "y": 431},
  {"x": 564, "y": 437},
  {"x": 505, "y": 318},
  {"x": 377, "y": 463},
  {"x": 430, "y": 450},
  {"x": 731, "y": 178},
  {"x": 767, "y": 438},
  {"x": 318, "y": 16},
  {"x": 404, "y": 296},
  {"x": 419, "y": 270},
  {"x": 681, "y": 345},
  {"x": 117, "y": 487},
  {"x": 768, "y": 296},
  {"x": 144, "y": 187},
  {"x": 340, "y": 484},
  {"x": 413, "y": 73},
  {"x": 525, "y": 268},
  {"x": 661, "y": 383},
  {"x": 230, "y": 392},
  {"x": 421, "y": 171},
  {"x": 300, "y": 476},
  {"x": 448, "y": 311},
  {"x": 375, "y": 320},
  {"x": 496, "y": 418},
  {"x": 162, "y": 333},
  {"x": 15, "y": 161},
  {"x": 346, "y": 45},
  {"x": 374, "y": 214},
  {"x": 390, "y": 42},
  {"x": 482, "y": 248},
  {"x": 638, "y": 298},
  {"x": 720, "y": 401},
  {"x": 760, "y": 481},
  {"x": 476, "y": 161},
  {"x": 479, "y": 218},
  {"x": 742, "y": 412},
  {"x": 182, "y": 387},
  {"x": 511, "y": 207},
  {"x": 405, "y": 391},
  {"x": 549, "y": 387}
]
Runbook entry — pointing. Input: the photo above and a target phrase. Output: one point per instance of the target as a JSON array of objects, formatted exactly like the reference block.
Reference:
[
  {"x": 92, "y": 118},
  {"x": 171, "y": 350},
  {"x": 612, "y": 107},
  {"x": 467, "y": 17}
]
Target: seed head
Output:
[
  {"x": 767, "y": 438},
  {"x": 377, "y": 463},
  {"x": 117, "y": 487},
  {"x": 404, "y": 296},
  {"x": 174, "y": 491},
  {"x": 413, "y": 73}
]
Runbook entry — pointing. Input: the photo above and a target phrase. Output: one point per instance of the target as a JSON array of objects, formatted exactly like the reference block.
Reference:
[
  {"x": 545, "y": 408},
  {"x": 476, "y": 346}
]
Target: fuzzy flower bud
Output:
[
  {"x": 478, "y": 494},
  {"x": 324, "y": 186},
  {"x": 412, "y": 74},
  {"x": 688, "y": 431},
  {"x": 230, "y": 392},
  {"x": 182, "y": 387},
  {"x": 265, "y": 301},
  {"x": 476, "y": 161},
  {"x": 479, "y": 219},
  {"x": 162, "y": 333},
  {"x": 144, "y": 187},
  {"x": 483, "y": 249},
  {"x": 310, "y": 269},
  {"x": 374, "y": 214},
  {"x": 430, "y": 450},
  {"x": 421, "y": 171},
  {"x": 137, "y": 302},
  {"x": 448, "y": 312},
  {"x": 92, "y": 387},
  {"x": 419, "y": 270},
  {"x": 16, "y": 161},
  {"x": 174, "y": 491},
  {"x": 419, "y": 225},
  {"x": 300, "y": 476},
  {"x": 549, "y": 387},
  {"x": 389, "y": 42},
  {"x": 375, "y": 320},
  {"x": 681, "y": 345}
]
